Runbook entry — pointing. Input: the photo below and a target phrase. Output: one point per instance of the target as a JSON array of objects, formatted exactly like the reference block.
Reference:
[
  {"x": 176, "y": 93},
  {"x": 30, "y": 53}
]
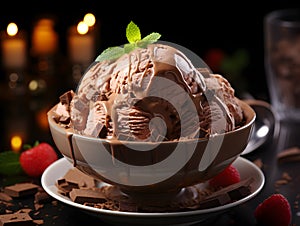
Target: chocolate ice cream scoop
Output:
[{"x": 153, "y": 94}]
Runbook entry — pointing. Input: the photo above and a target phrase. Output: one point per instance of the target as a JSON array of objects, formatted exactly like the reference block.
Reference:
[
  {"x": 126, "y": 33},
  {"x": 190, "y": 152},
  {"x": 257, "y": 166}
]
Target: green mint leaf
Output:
[
  {"x": 133, "y": 32},
  {"x": 9, "y": 163},
  {"x": 151, "y": 38},
  {"x": 110, "y": 53},
  {"x": 133, "y": 35},
  {"x": 129, "y": 47}
]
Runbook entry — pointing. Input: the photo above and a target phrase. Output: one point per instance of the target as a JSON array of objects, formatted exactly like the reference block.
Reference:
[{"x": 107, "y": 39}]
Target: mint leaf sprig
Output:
[{"x": 134, "y": 37}]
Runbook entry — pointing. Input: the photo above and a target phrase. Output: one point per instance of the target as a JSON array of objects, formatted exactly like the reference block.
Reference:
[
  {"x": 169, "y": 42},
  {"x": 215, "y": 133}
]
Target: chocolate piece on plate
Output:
[
  {"x": 218, "y": 200},
  {"x": 64, "y": 187},
  {"x": 227, "y": 194},
  {"x": 128, "y": 206},
  {"x": 75, "y": 176},
  {"x": 87, "y": 196},
  {"x": 21, "y": 189},
  {"x": 16, "y": 219}
]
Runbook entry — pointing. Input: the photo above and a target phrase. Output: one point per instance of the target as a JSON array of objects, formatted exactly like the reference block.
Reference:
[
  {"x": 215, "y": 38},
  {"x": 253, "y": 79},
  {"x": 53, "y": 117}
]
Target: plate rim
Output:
[{"x": 63, "y": 162}]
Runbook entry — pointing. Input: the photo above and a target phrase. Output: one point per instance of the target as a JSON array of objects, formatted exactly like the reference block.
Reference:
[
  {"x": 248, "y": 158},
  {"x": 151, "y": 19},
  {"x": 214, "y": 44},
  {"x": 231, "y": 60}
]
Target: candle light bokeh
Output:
[
  {"x": 44, "y": 37},
  {"x": 14, "y": 47},
  {"x": 81, "y": 44},
  {"x": 16, "y": 143}
]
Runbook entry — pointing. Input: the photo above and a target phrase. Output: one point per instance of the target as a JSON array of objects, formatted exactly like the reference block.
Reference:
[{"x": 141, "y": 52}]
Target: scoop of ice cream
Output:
[{"x": 153, "y": 94}]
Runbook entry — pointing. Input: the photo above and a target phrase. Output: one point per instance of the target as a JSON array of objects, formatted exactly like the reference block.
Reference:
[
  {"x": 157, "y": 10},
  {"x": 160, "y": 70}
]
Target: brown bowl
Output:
[{"x": 149, "y": 167}]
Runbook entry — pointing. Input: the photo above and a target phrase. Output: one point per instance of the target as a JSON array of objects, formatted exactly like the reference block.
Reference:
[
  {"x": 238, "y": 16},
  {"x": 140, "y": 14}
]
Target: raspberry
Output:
[
  {"x": 227, "y": 177},
  {"x": 36, "y": 159},
  {"x": 274, "y": 211}
]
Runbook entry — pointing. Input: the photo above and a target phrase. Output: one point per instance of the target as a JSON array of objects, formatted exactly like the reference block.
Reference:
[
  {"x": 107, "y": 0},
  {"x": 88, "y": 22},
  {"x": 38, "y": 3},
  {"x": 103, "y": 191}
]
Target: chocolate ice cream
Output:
[{"x": 153, "y": 94}]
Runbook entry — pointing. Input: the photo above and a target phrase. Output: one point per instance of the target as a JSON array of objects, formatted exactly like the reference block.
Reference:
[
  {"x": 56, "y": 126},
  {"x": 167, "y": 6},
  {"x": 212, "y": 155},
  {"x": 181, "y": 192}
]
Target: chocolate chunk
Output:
[
  {"x": 218, "y": 200},
  {"x": 289, "y": 155},
  {"x": 39, "y": 222},
  {"x": 4, "y": 197},
  {"x": 64, "y": 187},
  {"x": 42, "y": 197},
  {"x": 75, "y": 176},
  {"x": 66, "y": 97},
  {"x": 228, "y": 194},
  {"x": 15, "y": 219},
  {"x": 87, "y": 196},
  {"x": 21, "y": 189},
  {"x": 239, "y": 193},
  {"x": 127, "y": 206}
]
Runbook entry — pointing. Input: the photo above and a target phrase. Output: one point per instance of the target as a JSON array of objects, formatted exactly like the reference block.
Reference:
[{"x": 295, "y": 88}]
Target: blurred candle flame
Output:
[
  {"x": 12, "y": 29},
  {"x": 16, "y": 143},
  {"x": 89, "y": 19},
  {"x": 82, "y": 28}
]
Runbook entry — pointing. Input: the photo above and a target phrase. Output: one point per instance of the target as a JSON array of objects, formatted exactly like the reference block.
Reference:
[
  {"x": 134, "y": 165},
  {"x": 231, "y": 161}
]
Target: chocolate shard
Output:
[
  {"x": 87, "y": 196},
  {"x": 42, "y": 197},
  {"x": 218, "y": 200},
  {"x": 291, "y": 154},
  {"x": 5, "y": 197},
  {"x": 16, "y": 219},
  {"x": 64, "y": 187},
  {"x": 21, "y": 189},
  {"x": 128, "y": 206},
  {"x": 228, "y": 194},
  {"x": 75, "y": 176},
  {"x": 67, "y": 97}
]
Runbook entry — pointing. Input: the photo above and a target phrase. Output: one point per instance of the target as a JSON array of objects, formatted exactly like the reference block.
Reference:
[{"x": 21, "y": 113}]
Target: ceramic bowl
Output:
[{"x": 149, "y": 167}]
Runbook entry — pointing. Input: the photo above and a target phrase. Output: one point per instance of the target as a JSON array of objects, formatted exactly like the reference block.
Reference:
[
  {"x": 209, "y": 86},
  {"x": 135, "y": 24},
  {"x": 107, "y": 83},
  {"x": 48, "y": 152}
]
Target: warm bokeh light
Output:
[
  {"x": 12, "y": 29},
  {"x": 82, "y": 28},
  {"x": 16, "y": 143},
  {"x": 89, "y": 19},
  {"x": 33, "y": 85},
  {"x": 42, "y": 119}
]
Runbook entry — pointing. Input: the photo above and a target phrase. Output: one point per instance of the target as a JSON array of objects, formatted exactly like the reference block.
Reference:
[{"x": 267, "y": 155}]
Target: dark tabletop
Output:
[{"x": 58, "y": 213}]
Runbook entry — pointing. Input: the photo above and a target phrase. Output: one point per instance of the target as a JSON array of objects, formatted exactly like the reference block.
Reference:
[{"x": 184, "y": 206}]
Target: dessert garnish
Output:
[
  {"x": 36, "y": 159},
  {"x": 31, "y": 160},
  {"x": 274, "y": 211},
  {"x": 228, "y": 176},
  {"x": 134, "y": 37}
]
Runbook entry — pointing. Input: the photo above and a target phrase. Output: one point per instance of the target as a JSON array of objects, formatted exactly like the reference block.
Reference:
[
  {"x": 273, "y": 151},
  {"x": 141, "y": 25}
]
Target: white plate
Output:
[{"x": 60, "y": 167}]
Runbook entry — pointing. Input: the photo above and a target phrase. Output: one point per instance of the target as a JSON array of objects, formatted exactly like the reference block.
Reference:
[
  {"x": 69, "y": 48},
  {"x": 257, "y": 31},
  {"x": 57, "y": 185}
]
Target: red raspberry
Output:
[
  {"x": 274, "y": 211},
  {"x": 36, "y": 159},
  {"x": 227, "y": 177}
]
